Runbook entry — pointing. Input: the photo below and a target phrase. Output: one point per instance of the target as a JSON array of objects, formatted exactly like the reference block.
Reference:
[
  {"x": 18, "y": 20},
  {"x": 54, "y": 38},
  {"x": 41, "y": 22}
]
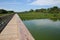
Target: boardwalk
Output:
[{"x": 15, "y": 30}]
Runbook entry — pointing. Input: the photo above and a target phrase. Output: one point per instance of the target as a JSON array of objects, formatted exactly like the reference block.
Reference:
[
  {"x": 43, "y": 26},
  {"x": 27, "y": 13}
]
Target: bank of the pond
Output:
[{"x": 38, "y": 15}]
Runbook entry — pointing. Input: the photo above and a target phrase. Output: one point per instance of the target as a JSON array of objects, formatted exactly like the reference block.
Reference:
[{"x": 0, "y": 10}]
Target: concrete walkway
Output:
[{"x": 15, "y": 30}]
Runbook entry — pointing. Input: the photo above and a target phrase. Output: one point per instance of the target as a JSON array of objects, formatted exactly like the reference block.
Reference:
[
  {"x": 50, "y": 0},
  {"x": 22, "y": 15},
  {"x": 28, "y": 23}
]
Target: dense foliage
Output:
[
  {"x": 54, "y": 9},
  {"x": 2, "y": 11}
]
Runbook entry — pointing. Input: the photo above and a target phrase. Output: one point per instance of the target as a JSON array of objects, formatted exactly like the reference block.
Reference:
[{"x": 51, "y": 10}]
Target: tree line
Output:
[
  {"x": 2, "y": 11},
  {"x": 54, "y": 9}
]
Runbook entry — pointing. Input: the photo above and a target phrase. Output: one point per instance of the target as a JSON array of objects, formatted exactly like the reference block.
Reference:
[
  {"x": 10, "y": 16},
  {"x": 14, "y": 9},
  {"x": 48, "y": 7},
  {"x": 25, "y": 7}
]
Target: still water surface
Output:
[{"x": 44, "y": 29}]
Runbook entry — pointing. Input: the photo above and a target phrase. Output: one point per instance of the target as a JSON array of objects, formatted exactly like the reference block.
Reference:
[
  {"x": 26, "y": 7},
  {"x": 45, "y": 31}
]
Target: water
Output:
[{"x": 44, "y": 29}]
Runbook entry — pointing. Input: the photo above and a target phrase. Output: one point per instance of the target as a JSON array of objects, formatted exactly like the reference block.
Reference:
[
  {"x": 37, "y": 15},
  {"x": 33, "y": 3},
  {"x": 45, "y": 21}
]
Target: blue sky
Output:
[{"x": 24, "y": 5}]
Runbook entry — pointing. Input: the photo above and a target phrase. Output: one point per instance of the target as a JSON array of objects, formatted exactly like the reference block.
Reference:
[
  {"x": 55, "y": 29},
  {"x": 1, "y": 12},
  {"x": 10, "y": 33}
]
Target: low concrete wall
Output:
[{"x": 4, "y": 20}]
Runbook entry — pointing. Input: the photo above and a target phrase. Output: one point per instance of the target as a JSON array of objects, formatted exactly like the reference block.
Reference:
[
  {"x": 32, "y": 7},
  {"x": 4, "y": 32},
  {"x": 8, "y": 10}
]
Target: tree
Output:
[
  {"x": 31, "y": 10},
  {"x": 55, "y": 9},
  {"x": 3, "y": 11},
  {"x": 37, "y": 10},
  {"x": 41, "y": 10},
  {"x": 10, "y": 11}
]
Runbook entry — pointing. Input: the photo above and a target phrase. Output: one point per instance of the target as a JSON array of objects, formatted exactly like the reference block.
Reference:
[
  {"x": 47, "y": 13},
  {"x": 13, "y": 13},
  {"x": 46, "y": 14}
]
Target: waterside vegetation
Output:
[{"x": 49, "y": 13}]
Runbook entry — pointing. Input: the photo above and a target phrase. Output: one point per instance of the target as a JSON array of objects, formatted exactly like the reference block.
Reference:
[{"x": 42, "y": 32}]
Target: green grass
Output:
[
  {"x": 38, "y": 15},
  {"x": 1, "y": 14}
]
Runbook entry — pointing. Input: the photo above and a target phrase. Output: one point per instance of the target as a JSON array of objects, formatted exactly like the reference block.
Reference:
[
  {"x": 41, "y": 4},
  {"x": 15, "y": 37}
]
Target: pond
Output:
[{"x": 44, "y": 29}]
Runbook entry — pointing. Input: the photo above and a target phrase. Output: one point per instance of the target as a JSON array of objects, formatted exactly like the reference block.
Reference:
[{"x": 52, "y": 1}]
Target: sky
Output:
[{"x": 25, "y": 5}]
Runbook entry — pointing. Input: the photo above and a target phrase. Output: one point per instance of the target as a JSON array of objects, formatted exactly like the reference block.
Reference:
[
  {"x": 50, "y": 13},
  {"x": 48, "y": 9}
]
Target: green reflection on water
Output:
[{"x": 44, "y": 29}]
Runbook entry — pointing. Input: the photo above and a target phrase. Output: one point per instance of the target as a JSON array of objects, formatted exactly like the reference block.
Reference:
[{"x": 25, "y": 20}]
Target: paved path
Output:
[{"x": 15, "y": 30}]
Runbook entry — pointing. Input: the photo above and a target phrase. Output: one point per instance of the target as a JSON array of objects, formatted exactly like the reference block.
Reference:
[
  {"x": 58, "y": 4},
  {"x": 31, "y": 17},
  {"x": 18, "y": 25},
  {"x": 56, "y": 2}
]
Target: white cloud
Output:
[{"x": 45, "y": 2}]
